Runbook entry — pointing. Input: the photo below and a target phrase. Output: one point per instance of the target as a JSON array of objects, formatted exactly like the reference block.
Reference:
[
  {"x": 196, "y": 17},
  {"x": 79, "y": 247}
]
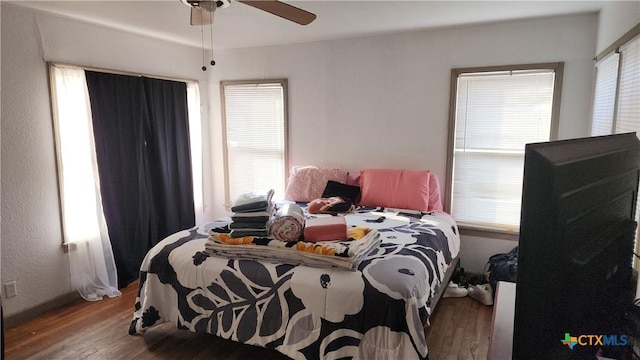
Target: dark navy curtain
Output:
[{"x": 142, "y": 148}]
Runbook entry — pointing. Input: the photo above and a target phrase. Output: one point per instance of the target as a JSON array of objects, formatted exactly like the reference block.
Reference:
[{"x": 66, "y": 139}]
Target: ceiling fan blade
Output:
[
  {"x": 283, "y": 10},
  {"x": 200, "y": 16}
]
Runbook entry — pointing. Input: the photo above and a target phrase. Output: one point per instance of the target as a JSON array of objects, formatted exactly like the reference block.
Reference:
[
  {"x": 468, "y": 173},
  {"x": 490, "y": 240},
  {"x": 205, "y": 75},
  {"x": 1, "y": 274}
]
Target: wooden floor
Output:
[{"x": 99, "y": 330}]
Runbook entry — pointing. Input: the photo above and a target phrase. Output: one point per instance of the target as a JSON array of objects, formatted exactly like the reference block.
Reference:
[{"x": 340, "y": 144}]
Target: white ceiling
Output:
[{"x": 239, "y": 25}]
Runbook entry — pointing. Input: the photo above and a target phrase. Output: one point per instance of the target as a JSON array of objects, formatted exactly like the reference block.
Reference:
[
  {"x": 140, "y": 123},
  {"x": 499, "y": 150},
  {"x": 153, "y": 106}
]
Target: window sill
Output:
[{"x": 488, "y": 233}]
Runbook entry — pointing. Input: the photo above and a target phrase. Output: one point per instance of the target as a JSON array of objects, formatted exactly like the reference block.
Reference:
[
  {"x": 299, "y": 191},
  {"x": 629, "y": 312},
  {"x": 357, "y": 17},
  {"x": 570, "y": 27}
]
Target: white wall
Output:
[
  {"x": 616, "y": 18},
  {"x": 31, "y": 235},
  {"x": 383, "y": 101}
]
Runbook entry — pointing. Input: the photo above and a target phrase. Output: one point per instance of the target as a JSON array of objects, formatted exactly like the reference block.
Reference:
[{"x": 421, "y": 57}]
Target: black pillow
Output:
[{"x": 344, "y": 191}]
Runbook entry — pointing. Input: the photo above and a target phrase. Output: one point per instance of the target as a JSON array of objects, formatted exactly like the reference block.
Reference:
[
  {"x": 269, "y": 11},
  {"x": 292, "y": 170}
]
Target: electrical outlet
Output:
[{"x": 11, "y": 289}]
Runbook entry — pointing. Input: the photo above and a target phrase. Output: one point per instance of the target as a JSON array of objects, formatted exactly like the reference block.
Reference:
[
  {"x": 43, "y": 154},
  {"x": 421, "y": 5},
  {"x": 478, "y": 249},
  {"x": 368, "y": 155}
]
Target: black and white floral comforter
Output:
[{"x": 379, "y": 311}]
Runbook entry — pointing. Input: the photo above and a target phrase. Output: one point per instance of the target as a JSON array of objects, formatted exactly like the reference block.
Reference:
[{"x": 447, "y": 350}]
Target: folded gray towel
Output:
[{"x": 253, "y": 201}]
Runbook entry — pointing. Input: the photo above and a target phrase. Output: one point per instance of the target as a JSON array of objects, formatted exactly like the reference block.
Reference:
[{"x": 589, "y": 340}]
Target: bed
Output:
[{"x": 380, "y": 309}]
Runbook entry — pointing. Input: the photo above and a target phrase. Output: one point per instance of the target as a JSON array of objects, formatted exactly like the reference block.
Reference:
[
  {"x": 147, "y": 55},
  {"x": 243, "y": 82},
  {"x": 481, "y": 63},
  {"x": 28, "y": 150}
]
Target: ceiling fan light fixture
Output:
[
  {"x": 200, "y": 16},
  {"x": 207, "y": 5}
]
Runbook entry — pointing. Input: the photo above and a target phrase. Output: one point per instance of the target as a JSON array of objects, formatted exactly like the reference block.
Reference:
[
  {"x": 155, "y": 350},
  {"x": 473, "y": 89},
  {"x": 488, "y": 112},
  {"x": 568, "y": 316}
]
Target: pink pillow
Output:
[
  {"x": 307, "y": 183},
  {"x": 402, "y": 189},
  {"x": 435, "y": 203},
  {"x": 353, "y": 179}
]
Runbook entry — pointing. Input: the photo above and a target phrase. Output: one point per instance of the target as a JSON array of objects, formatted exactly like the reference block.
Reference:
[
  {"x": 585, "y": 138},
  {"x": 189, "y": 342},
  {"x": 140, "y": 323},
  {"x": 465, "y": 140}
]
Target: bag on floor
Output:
[{"x": 502, "y": 267}]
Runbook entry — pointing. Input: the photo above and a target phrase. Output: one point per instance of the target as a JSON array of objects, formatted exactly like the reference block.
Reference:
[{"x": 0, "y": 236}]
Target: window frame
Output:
[
  {"x": 225, "y": 153},
  {"x": 615, "y": 47},
  {"x": 558, "y": 69}
]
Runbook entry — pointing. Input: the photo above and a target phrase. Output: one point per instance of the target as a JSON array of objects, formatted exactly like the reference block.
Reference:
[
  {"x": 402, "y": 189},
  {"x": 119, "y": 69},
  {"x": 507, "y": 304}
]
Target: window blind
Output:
[
  {"x": 496, "y": 114},
  {"x": 255, "y": 138},
  {"x": 628, "y": 108},
  {"x": 605, "y": 95}
]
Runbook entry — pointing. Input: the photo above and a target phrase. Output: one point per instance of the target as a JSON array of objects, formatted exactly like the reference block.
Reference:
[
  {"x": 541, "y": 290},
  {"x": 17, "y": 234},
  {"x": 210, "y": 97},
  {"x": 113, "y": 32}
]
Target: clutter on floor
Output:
[{"x": 475, "y": 286}]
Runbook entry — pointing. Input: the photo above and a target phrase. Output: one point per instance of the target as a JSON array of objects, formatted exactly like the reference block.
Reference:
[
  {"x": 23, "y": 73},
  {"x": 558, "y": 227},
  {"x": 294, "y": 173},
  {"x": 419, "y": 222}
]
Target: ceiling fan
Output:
[{"x": 202, "y": 10}]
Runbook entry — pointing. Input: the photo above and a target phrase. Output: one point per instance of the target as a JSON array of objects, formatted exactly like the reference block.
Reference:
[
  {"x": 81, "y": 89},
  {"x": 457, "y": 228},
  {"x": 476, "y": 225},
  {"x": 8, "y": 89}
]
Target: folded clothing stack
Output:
[{"x": 252, "y": 214}]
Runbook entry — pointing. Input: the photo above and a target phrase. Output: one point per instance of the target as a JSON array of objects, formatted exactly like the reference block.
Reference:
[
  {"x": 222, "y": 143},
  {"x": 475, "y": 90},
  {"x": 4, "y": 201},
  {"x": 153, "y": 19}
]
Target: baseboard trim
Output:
[{"x": 26, "y": 315}]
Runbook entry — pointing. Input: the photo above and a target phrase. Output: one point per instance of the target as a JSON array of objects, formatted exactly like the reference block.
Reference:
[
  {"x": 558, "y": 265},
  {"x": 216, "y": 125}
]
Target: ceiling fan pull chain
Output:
[
  {"x": 204, "y": 68},
  {"x": 211, "y": 40}
]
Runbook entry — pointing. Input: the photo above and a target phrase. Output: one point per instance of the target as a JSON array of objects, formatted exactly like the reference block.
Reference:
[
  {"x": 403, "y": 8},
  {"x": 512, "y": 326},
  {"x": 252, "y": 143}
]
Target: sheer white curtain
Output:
[
  {"x": 195, "y": 142},
  {"x": 92, "y": 267}
]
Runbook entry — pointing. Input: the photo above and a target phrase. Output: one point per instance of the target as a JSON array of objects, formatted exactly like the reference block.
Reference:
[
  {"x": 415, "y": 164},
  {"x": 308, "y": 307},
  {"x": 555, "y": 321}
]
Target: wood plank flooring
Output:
[{"x": 460, "y": 329}]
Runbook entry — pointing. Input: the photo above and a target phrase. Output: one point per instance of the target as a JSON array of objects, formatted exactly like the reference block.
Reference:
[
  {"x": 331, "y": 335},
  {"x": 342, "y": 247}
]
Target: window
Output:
[
  {"x": 605, "y": 95},
  {"x": 76, "y": 154},
  {"x": 495, "y": 112},
  {"x": 255, "y": 130},
  {"x": 616, "y": 97},
  {"x": 85, "y": 223},
  {"x": 616, "y": 103}
]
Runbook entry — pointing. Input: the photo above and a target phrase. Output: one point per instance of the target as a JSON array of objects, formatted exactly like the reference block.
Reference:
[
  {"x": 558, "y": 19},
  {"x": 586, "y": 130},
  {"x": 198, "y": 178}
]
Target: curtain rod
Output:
[{"x": 120, "y": 72}]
